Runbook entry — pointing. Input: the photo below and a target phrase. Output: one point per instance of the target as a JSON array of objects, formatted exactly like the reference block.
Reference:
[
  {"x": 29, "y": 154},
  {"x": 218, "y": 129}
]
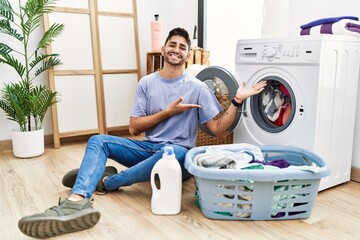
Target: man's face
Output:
[{"x": 176, "y": 51}]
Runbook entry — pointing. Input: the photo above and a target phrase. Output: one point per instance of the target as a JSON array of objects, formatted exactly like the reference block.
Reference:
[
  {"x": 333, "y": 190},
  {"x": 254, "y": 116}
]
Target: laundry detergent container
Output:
[{"x": 259, "y": 194}]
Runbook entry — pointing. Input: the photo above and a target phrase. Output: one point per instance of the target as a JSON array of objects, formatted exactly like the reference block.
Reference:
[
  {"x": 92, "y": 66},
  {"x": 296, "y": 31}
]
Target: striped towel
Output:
[
  {"x": 341, "y": 27},
  {"x": 327, "y": 20}
]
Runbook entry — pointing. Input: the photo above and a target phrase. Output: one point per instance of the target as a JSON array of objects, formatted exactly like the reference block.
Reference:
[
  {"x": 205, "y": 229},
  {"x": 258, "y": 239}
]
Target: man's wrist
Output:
[
  {"x": 238, "y": 99},
  {"x": 237, "y": 102}
]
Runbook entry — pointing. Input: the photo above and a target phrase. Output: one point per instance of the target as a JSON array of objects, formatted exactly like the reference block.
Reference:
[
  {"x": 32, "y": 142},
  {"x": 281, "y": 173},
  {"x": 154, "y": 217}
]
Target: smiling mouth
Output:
[{"x": 174, "y": 55}]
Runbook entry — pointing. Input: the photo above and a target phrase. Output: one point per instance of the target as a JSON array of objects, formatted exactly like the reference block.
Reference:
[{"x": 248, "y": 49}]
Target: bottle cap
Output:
[{"x": 168, "y": 151}]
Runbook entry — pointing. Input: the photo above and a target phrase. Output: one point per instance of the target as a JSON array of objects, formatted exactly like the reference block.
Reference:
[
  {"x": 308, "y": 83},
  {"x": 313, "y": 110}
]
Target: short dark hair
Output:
[{"x": 179, "y": 32}]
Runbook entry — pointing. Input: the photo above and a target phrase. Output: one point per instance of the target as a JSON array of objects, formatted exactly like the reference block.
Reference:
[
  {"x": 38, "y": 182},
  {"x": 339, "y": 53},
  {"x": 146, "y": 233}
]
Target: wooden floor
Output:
[{"x": 32, "y": 185}]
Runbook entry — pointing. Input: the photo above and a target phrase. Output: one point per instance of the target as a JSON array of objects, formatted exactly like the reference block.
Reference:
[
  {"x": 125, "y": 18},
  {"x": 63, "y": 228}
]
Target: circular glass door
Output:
[
  {"x": 223, "y": 85},
  {"x": 274, "y": 108}
]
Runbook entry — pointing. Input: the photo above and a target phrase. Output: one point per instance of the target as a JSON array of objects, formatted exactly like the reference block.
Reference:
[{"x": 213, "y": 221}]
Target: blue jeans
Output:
[{"x": 138, "y": 156}]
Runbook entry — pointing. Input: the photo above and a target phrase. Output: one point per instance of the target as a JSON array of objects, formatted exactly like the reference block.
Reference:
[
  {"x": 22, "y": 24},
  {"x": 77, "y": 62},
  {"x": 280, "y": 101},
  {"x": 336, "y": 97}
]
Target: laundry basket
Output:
[{"x": 267, "y": 194}]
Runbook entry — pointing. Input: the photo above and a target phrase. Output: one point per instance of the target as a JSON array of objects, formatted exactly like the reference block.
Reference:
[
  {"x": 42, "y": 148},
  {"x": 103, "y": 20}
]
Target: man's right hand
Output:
[
  {"x": 178, "y": 107},
  {"x": 141, "y": 124}
]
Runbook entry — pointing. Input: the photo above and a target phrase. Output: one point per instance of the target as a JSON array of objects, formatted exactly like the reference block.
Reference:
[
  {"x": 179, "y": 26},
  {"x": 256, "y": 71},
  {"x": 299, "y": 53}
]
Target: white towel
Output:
[{"x": 215, "y": 157}]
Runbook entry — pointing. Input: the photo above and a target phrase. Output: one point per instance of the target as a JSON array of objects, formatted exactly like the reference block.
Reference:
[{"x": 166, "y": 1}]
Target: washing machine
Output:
[{"x": 310, "y": 99}]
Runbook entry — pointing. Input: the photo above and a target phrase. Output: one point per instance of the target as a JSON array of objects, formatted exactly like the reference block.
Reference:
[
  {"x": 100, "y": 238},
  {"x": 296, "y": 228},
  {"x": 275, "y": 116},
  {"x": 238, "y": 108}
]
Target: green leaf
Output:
[
  {"x": 14, "y": 63},
  {"x": 51, "y": 62},
  {"x": 14, "y": 103},
  {"x": 18, "y": 66},
  {"x": 39, "y": 7},
  {"x": 5, "y": 50},
  {"x": 40, "y": 58},
  {"x": 40, "y": 99},
  {"x": 6, "y": 10},
  {"x": 54, "y": 31},
  {"x": 31, "y": 24},
  {"x": 6, "y": 28}
]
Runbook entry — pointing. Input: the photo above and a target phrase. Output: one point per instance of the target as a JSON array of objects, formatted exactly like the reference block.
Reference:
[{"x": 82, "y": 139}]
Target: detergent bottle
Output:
[
  {"x": 156, "y": 34},
  {"x": 166, "y": 184}
]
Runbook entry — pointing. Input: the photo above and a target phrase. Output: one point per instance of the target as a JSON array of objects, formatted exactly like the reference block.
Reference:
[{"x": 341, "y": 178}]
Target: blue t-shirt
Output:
[{"x": 155, "y": 94}]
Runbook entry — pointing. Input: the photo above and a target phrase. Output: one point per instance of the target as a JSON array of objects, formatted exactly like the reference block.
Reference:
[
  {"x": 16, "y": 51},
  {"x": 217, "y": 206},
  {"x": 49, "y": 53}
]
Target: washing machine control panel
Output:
[
  {"x": 291, "y": 52},
  {"x": 280, "y": 52}
]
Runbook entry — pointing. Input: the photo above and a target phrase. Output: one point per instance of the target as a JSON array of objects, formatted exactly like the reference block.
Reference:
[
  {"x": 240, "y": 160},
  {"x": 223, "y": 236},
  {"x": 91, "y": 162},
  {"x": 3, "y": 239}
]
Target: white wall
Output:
[
  {"x": 308, "y": 10},
  {"x": 226, "y": 23}
]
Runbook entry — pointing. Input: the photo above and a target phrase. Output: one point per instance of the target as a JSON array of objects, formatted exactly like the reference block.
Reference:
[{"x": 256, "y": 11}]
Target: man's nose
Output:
[{"x": 177, "y": 48}]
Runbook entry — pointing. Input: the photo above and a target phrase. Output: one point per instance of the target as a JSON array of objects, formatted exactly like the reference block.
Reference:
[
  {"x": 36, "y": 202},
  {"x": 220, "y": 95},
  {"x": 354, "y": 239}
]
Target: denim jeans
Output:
[{"x": 138, "y": 156}]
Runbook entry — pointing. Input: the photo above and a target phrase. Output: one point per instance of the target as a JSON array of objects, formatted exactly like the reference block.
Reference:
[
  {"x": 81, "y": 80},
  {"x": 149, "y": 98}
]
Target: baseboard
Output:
[
  {"x": 49, "y": 140},
  {"x": 355, "y": 174},
  {"x": 7, "y": 145}
]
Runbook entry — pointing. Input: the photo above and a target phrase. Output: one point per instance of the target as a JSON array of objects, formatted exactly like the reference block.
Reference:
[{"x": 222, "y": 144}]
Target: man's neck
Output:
[{"x": 170, "y": 72}]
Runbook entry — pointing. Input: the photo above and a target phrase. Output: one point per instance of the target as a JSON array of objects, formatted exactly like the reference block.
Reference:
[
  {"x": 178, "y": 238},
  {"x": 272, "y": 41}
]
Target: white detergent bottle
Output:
[{"x": 166, "y": 193}]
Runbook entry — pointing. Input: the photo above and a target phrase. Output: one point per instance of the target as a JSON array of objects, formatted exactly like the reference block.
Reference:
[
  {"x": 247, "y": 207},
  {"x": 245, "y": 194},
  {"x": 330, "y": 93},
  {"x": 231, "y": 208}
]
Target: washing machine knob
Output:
[{"x": 270, "y": 52}]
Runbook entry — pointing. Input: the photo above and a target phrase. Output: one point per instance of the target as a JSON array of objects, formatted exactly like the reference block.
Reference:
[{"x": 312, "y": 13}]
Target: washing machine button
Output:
[{"x": 269, "y": 52}]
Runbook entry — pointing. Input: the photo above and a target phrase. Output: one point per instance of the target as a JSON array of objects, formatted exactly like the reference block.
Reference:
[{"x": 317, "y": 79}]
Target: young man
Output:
[{"x": 169, "y": 105}]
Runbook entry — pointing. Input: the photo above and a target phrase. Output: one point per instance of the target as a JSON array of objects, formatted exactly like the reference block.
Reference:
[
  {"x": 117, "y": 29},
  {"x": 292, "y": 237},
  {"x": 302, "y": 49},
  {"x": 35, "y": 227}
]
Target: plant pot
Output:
[{"x": 28, "y": 144}]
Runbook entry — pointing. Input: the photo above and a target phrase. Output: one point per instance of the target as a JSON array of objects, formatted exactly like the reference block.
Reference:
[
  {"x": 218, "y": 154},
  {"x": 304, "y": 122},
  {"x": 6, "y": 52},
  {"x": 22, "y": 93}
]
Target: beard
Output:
[{"x": 174, "y": 60}]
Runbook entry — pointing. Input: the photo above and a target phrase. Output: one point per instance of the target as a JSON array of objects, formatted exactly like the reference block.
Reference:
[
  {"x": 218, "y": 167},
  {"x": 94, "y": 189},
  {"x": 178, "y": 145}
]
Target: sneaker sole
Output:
[
  {"x": 45, "y": 227},
  {"x": 69, "y": 178}
]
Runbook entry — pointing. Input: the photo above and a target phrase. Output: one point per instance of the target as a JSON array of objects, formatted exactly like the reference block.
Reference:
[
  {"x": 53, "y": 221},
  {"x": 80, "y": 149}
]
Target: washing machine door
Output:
[
  {"x": 273, "y": 109},
  {"x": 276, "y": 116},
  {"x": 224, "y": 86}
]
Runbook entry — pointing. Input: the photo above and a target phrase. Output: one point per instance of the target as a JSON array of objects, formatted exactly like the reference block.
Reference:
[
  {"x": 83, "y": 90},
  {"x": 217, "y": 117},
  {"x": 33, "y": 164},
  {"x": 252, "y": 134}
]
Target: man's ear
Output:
[
  {"x": 162, "y": 50},
  {"x": 188, "y": 55}
]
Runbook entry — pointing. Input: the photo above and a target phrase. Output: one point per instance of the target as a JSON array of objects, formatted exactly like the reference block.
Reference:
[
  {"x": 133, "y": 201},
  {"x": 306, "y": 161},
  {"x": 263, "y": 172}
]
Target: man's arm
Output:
[
  {"x": 220, "y": 125},
  {"x": 141, "y": 124}
]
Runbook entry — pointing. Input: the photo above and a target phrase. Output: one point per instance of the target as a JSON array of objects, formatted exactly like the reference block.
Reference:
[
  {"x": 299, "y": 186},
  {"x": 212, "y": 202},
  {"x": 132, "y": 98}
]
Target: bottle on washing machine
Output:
[{"x": 166, "y": 196}]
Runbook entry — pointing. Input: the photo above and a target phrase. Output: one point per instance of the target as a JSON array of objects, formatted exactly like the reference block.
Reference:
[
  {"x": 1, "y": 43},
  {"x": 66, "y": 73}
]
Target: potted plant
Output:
[{"x": 23, "y": 101}]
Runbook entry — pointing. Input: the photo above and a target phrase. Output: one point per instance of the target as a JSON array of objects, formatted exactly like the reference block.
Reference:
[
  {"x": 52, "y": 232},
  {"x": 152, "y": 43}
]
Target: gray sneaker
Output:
[
  {"x": 69, "y": 178},
  {"x": 67, "y": 217}
]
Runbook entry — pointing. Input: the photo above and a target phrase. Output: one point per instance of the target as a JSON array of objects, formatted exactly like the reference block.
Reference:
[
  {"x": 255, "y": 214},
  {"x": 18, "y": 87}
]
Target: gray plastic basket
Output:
[{"x": 268, "y": 194}]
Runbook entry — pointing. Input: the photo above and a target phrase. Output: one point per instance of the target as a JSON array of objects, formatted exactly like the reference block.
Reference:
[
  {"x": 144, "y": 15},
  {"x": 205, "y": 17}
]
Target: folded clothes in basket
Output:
[
  {"x": 250, "y": 157},
  {"x": 217, "y": 158},
  {"x": 341, "y": 27}
]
